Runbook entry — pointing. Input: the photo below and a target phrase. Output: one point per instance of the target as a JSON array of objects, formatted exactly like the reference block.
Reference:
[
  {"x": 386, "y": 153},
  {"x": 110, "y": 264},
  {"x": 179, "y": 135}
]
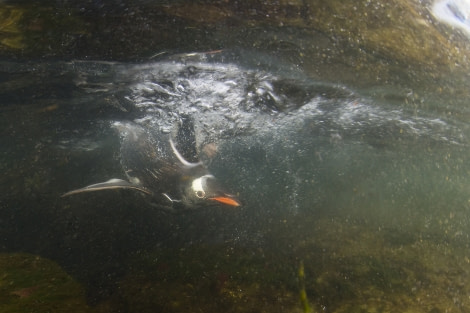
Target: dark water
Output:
[{"x": 369, "y": 186}]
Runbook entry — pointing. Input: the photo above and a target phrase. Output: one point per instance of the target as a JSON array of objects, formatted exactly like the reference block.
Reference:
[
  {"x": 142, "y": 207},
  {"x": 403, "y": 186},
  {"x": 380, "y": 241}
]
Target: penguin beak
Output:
[
  {"x": 227, "y": 199},
  {"x": 206, "y": 187}
]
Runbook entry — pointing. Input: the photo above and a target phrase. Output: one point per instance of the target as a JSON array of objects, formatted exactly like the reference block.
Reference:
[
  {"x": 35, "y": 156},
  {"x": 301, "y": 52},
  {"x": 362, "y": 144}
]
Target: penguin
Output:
[{"x": 156, "y": 168}]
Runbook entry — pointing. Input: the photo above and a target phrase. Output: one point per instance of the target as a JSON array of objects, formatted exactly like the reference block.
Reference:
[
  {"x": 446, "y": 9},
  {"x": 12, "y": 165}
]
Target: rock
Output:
[{"x": 29, "y": 283}]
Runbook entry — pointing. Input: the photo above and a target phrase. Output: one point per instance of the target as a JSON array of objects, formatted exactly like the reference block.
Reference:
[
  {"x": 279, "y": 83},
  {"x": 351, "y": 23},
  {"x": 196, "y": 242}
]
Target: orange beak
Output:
[{"x": 227, "y": 200}]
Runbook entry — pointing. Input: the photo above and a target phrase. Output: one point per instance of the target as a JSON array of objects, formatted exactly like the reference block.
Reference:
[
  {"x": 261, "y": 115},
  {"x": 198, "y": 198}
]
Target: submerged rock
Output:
[
  {"x": 29, "y": 283},
  {"x": 208, "y": 278},
  {"x": 369, "y": 39},
  {"x": 349, "y": 266}
]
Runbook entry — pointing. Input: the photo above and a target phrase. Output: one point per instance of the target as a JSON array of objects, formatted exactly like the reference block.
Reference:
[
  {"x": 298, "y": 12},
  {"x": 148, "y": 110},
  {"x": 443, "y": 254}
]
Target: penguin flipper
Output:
[{"x": 114, "y": 183}]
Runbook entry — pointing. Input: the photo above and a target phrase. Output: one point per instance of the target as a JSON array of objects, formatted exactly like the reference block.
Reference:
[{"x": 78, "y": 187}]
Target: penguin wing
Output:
[{"x": 110, "y": 184}]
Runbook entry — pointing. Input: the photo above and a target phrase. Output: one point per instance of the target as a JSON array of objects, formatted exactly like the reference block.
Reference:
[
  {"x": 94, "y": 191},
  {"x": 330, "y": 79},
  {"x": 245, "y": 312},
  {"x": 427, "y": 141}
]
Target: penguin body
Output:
[{"x": 154, "y": 166}]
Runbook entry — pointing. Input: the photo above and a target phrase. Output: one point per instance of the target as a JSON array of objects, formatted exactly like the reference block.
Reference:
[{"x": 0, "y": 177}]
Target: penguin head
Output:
[
  {"x": 205, "y": 190},
  {"x": 201, "y": 189}
]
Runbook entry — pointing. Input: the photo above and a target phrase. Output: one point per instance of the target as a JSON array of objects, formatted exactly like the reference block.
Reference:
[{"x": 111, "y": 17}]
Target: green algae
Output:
[
  {"x": 30, "y": 283},
  {"x": 37, "y": 30},
  {"x": 303, "y": 293},
  {"x": 10, "y": 31}
]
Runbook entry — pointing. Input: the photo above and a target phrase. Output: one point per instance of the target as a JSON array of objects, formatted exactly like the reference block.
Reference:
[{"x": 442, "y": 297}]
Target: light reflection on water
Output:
[{"x": 453, "y": 12}]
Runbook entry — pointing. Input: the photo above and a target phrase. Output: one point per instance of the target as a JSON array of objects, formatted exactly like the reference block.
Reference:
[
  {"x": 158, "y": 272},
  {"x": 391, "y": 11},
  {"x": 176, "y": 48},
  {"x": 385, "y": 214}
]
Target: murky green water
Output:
[{"x": 342, "y": 128}]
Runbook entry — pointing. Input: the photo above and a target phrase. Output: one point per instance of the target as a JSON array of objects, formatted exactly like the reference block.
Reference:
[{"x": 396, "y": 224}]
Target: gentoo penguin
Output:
[{"x": 155, "y": 167}]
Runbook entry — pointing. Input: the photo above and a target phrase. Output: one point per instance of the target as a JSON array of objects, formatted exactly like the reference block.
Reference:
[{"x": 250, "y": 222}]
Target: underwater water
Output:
[{"x": 355, "y": 195}]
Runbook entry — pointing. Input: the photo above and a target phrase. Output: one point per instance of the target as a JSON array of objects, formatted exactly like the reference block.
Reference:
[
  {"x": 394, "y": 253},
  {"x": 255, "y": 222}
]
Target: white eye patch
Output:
[{"x": 198, "y": 186}]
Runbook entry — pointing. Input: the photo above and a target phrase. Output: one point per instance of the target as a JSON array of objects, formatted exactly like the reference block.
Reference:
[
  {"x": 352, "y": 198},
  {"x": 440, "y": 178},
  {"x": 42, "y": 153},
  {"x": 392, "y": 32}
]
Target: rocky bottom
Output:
[{"x": 341, "y": 266}]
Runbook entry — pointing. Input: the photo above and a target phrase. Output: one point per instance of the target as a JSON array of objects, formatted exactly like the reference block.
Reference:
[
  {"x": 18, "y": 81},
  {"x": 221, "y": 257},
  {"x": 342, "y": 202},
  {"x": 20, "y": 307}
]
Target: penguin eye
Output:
[{"x": 200, "y": 194}]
